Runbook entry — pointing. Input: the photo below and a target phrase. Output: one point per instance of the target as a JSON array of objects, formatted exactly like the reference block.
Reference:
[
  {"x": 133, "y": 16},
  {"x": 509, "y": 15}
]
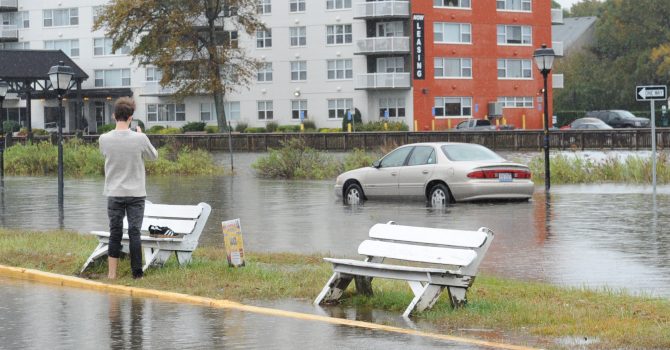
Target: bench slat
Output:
[
  {"x": 418, "y": 253},
  {"x": 172, "y": 211},
  {"x": 143, "y": 237},
  {"x": 386, "y": 266},
  {"x": 178, "y": 226},
  {"x": 460, "y": 238}
]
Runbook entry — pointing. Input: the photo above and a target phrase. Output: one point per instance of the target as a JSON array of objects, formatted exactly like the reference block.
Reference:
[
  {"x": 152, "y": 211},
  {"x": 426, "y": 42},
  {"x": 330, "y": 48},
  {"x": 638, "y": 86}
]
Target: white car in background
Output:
[{"x": 441, "y": 172}]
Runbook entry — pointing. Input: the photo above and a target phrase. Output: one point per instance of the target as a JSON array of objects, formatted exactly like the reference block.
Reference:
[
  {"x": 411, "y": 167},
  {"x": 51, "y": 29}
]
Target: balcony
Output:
[
  {"x": 9, "y": 34},
  {"x": 9, "y": 5},
  {"x": 382, "y": 81},
  {"x": 154, "y": 88},
  {"x": 382, "y": 9},
  {"x": 556, "y": 16},
  {"x": 558, "y": 48},
  {"x": 383, "y": 45},
  {"x": 557, "y": 81}
]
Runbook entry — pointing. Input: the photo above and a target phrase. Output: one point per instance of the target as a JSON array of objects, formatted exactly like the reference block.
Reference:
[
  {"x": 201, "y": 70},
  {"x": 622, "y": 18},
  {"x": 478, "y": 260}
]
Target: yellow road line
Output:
[{"x": 70, "y": 281}]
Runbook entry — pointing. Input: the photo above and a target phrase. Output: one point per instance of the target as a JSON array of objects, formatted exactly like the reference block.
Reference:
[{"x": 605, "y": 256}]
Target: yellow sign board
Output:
[{"x": 232, "y": 237}]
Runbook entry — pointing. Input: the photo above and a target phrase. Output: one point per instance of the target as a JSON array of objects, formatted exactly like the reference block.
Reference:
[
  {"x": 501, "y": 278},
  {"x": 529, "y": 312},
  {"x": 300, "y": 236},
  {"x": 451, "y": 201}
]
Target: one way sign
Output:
[{"x": 651, "y": 92}]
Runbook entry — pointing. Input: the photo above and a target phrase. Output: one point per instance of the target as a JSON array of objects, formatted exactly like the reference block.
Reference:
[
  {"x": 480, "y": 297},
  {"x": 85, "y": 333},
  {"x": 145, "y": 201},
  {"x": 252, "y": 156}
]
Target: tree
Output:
[
  {"x": 586, "y": 8},
  {"x": 193, "y": 42}
]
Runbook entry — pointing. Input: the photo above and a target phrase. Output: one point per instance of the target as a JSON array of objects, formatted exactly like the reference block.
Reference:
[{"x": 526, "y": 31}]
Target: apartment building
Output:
[{"x": 322, "y": 58}]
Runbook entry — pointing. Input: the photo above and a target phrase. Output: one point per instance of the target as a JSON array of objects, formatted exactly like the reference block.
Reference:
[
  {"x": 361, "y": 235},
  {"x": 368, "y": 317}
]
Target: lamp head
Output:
[
  {"x": 60, "y": 77},
  {"x": 4, "y": 87},
  {"x": 544, "y": 58}
]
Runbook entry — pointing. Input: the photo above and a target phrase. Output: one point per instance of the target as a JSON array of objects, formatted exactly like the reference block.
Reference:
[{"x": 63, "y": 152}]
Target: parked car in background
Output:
[
  {"x": 441, "y": 172},
  {"x": 481, "y": 125},
  {"x": 587, "y": 123},
  {"x": 617, "y": 118}
]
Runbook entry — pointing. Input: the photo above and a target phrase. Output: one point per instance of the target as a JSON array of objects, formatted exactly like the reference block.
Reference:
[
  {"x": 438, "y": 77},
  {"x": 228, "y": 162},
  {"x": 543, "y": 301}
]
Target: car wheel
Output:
[
  {"x": 439, "y": 196},
  {"x": 353, "y": 194}
]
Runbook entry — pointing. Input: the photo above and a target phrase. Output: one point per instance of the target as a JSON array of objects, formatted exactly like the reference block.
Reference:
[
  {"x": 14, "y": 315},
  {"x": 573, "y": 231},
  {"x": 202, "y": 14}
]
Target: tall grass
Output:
[
  {"x": 81, "y": 159},
  {"x": 294, "y": 160}
]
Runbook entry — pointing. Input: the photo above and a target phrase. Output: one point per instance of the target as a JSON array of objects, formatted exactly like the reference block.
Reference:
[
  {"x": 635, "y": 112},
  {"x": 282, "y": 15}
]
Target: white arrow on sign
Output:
[{"x": 644, "y": 93}]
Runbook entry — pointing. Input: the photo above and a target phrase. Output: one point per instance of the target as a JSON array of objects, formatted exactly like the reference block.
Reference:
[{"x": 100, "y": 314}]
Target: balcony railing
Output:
[
  {"x": 382, "y": 9},
  {"x": 9, "y": 33},
  {"x": 556, "y": 16},
  {"x": 383, "y": 45},
  {"x": 154, "y": 88},
  {"x": 9, "y": 5},
  {"x": 383, "y": 81},
  {"x": 557, "y": 81},
  {"x": 558, "y": 48}
]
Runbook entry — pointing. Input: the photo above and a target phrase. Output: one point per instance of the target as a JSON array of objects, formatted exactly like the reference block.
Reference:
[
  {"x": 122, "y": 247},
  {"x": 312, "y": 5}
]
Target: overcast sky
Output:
[{"x": 566, "y": 4}]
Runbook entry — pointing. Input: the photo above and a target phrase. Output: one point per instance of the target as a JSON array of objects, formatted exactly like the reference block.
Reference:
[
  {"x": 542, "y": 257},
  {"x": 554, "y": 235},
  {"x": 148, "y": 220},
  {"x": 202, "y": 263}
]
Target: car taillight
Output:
[{"x": 494, "y": 174}]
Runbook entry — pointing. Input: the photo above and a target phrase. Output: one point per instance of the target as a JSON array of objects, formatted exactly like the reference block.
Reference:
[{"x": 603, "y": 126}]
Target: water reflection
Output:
[{"x": 581, "y": 235}]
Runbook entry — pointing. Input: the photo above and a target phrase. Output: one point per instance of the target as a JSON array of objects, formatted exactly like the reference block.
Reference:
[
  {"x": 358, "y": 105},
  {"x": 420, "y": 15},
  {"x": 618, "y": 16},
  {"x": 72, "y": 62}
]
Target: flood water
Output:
[{"x": 612, "y": 236}]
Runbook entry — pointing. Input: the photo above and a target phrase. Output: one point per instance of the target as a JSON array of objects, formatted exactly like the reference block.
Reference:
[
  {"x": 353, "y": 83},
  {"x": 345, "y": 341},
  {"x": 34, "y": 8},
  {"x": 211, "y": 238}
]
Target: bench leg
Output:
[
  {"x": 425, "y": 297},
  {"x": 457, "y": 296},
  {"x": 155, "y": 257},
  {"x": 334, "y": 288},
  {"x": 183, "y": 258},
  {"x": 99, "y": 251}
]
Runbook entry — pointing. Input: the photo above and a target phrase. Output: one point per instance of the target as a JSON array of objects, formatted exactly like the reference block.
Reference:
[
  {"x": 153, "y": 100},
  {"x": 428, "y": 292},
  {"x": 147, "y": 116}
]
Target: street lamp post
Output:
[
  {"x": 3, "y": 92},
  {"x": 544, "y": 58},
  {"x": 60, "y": 77}
]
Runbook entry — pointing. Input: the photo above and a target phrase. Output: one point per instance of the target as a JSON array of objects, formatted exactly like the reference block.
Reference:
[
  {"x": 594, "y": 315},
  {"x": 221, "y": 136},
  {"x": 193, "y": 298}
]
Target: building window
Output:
[
  {"x": 337, "y": 108},
  {"x": 19, "y": 19},
  {"x": 515, "y": 35},
  {"x": 452, "y": 33},
  {"x": 166, "y": 112},
  {"x": 265, "y": 72},
  {"x": 264, "y": 38},
  {"x": 265, "y": 110},
  {"x": 390, "y": 65},
  {"x": 394, "y": 106},
  {"x": 298, "y": 106},
  {"x": 70, "y": 47},
  {"x": 452, "y": 3},
  {"x": 340, "y": 69},
  {"x": 513, "y": 5},
  {"x": 264, "y": 6},
  {"x": 153, "y": 74},
  {"x": 103, "y": 47},
  {"x": 296, "y": 6},
  {"x": 516, "y": 101},
  {"x": 229, "y": 11},
  {"x": 299, "y": 70},
  {"x": 97, "y": 11},
  {"x": 453, "y": 67},
  {"x": 390, "y": 29},
  {"x": 230, "y": 39},
  {"x": 338, "y": 4},
  {"x": 298, "y": 36},
  {"x": 208, "y": 111},
  {"x": 112, "y": 77},
  {"x": 61, "y": 17},
  {"x": 338, "y": 34},
  {"x": 21, "y": 45},
  {"x": 453, "y": 106},
  {"x": 515, "y": 69}
]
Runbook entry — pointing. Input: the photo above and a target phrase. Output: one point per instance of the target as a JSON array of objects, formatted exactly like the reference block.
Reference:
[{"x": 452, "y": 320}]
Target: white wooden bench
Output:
[
  {"x": 433, "y": 259},
  {"x": 187, "y": 221}
]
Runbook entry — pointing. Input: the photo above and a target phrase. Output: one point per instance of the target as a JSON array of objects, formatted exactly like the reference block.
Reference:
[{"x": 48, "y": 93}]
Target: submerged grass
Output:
[{"x": 511, "y": 307}]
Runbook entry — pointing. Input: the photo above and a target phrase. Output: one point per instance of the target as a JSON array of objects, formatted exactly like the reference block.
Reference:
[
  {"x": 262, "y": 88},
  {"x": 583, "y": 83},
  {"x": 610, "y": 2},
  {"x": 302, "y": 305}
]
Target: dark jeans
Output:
[{"x": 133, "y": 208}]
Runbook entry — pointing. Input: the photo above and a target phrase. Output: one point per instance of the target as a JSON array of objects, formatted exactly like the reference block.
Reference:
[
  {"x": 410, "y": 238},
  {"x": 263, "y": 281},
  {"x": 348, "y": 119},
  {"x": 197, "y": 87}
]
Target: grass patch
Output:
[{"x": 513, "y": 307}]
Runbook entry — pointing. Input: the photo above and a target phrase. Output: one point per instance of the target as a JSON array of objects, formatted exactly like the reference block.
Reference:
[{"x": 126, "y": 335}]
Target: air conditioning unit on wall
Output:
[{"x": 495, "y": 109}]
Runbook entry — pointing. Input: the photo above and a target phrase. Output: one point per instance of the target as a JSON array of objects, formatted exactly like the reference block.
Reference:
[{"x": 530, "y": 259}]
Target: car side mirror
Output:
[{"x": 377, "y": 163}]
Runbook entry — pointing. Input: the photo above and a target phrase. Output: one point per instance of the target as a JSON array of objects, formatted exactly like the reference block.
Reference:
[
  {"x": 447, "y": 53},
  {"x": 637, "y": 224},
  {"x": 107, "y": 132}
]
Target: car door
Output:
[
  {"x": 614, "y": 120},
  {"x": 383, "y": 180},
  {"x": 413, "y": 176}
]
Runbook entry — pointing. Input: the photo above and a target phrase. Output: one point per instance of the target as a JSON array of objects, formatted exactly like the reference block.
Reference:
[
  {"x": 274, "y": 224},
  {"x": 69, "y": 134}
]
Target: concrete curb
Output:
[{"x": 76, "y": 282}]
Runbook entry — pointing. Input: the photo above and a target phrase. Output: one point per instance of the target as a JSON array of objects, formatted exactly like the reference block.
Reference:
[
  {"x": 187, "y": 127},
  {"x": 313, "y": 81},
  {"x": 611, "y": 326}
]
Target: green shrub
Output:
[
  {"x": 241, "y": 127},
  {"x": 358, "y": 159},
  {"x": 309, "y": 125},
  {"x": 289, "y": 128},
  {"x": 170, "y": 131},
  {"x": 357, "y": 119},
  {"x": 271, "y": 126},
  {"x": 156, "y": 129},
  {"x": 330, "y": 130},
  {"x": 36, "y": 131},
  {"x": 255, "y": 130},
  {"x": 194, "y": 126},
  {"x": 106, "y": 128},
  {"x": 212, "y": 129},
  {"x": 379, "y": 126},
  {"x": 10, "y": 126},
  {"x": 294, "y": 160}
]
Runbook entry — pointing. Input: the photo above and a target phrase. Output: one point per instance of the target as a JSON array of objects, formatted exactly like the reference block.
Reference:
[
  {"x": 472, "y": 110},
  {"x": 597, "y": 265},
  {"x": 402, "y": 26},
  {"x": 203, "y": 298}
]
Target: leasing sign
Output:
[{"x": 419, "y": 57}]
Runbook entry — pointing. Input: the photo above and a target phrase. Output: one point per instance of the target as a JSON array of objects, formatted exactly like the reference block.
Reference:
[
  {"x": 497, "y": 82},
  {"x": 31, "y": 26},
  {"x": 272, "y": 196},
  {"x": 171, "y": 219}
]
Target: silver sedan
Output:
[{"x": 441, "y": 172}]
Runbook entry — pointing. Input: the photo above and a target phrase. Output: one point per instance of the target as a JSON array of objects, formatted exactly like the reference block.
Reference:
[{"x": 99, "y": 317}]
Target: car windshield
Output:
[
  {"x": 626, "y": 114},
  {"x": 469, "y": 152}
]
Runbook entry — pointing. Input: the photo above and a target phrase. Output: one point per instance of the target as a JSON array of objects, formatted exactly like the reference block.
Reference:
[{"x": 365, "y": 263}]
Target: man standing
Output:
[{"x": 125, "y": 151}]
